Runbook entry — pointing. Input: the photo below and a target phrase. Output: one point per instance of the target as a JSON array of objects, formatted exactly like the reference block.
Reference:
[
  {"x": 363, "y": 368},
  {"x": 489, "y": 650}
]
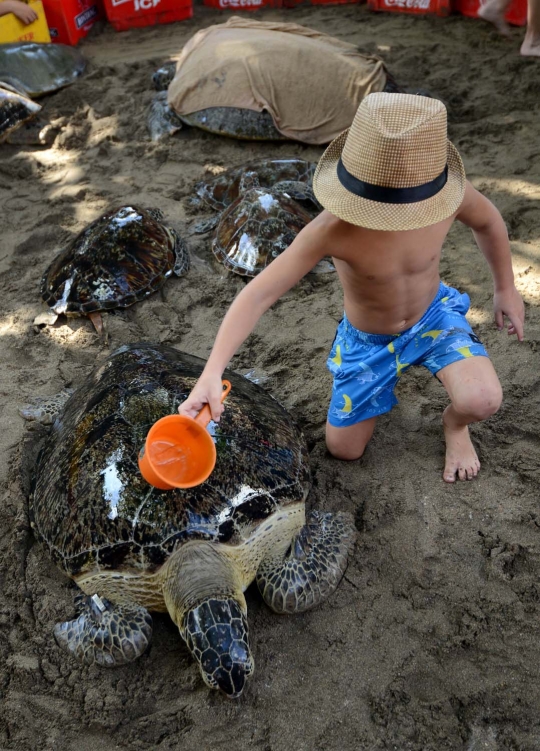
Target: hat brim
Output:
[{"x": 386, "y": 216}]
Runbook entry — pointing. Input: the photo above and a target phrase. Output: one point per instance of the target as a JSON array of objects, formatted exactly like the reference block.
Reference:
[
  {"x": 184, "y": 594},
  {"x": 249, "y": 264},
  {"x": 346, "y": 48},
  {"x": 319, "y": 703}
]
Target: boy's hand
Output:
[
  {"x": 509, "y": 304},
  {"x": 207, "y": 390}
]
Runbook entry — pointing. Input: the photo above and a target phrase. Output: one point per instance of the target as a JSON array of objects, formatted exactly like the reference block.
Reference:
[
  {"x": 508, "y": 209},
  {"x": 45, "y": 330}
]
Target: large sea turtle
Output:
[
  {"x": 132, "y": 548},
  {"x": 120, "y": 258},
  {"x": 38, "y": 69}
]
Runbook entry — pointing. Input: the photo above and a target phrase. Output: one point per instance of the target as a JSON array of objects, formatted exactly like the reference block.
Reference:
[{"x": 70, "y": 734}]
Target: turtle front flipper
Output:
[
  {"x": 105, "y": 634},
  {"x": 45, "y": 409},
  {"x": 312, "y": 566}
]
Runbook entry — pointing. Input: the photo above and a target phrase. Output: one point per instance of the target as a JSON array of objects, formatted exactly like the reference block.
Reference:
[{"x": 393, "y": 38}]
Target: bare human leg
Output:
[
  {"x": 349, "y": 443},
  {"x": 493, "y": 11},
  {"x": 475, "y": 394},
  {"x": 531, "y": 43}
]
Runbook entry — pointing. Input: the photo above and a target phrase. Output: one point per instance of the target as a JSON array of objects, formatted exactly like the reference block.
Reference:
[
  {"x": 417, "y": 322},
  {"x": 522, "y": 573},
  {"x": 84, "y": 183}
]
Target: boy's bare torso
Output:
[{"x": 389, "y": 279}]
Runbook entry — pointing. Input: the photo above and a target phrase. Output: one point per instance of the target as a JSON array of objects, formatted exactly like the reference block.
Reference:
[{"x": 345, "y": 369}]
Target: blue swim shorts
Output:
[{"x": 367, "y": 367}]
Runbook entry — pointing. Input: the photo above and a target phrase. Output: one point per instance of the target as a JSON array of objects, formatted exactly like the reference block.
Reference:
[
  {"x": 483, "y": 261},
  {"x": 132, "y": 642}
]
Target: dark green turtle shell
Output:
[
  {"x": 255, "y": 229},
  {"x": 120, "y": 258},
  {"x": 219, "y": 192},
  {"x": 40, "y": 68},
  {"x": 90, "y": 504},
  {"x": 235, "y": 122}
]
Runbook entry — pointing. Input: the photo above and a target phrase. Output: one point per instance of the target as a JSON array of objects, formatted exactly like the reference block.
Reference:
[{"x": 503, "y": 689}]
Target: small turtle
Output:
[
  {"x": 15, "y": 110},
  {"x": 38, "y": 69},
  {"x": 120, "y": 258},
  {"x": 259, "y": 225},
  {"x": 132, "y": 548}
]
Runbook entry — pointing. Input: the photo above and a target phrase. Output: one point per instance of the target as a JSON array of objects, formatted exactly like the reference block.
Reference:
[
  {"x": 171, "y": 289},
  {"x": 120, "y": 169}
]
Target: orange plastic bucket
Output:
[{"x": 179, "y": 452}]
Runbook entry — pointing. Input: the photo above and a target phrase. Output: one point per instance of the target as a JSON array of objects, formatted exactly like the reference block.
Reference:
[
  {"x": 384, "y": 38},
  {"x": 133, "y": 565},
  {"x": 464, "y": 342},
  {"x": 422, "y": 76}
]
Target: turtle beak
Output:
[{"x": 230, "y": 677}]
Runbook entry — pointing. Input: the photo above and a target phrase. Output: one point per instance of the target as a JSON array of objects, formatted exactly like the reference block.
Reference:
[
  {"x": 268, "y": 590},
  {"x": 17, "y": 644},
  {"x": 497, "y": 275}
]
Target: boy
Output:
[{"x": 391, "y": 185}]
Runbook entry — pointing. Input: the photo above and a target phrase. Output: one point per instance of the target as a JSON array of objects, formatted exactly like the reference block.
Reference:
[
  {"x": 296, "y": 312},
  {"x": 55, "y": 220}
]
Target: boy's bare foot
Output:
[
  {"x": 531, "y": 45},
  {"x": 492, "y": 12},
  {"x": 462, "y": 461}
]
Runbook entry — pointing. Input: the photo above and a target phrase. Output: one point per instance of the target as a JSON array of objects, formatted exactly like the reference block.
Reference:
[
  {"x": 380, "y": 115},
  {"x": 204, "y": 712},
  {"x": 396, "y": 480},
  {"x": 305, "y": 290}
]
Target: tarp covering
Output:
[{"x": 310, "y": 82}]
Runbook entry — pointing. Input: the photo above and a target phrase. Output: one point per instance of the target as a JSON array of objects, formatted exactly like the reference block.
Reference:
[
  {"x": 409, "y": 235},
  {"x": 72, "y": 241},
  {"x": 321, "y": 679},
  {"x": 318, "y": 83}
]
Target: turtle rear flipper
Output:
[
  {"x": 181, "y": 251},
  {"x": 105, "y": 634},
  {"x": 312, "y": 567}
]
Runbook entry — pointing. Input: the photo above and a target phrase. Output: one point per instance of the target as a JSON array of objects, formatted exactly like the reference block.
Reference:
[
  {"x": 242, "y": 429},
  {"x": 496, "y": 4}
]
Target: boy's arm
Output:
[
  {"x": 307, "y": 249},
  {"x": 489, "y": 231},
  {"x": 21, "y": 10}
]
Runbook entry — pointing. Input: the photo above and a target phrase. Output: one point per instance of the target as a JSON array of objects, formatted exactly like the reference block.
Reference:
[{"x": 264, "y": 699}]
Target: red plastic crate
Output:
[
  {"x": 71, "y": 20},
  {"x": 128, "y": 14},
  {"x": 516, "y": 13},
  {"x": 439, "y": 7},
  {"x": 243, "y": 4}
]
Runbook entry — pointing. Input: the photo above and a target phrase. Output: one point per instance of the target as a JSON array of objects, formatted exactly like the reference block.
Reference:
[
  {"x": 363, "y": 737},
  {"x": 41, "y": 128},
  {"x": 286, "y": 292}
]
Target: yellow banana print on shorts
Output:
[
  {"x": 337, "y": 357},
  {"x": 348, "y": 403},
  {"x": 433, "y": 334}
]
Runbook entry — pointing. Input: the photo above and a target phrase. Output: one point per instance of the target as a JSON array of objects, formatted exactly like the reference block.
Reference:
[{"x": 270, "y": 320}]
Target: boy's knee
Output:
[
  {"x": 480, "y": 403},
  {"x": 347, "y": 453}
]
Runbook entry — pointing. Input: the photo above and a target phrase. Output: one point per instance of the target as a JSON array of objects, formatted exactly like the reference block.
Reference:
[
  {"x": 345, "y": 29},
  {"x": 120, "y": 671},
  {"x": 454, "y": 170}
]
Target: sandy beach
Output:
[{"x": 431, "y": 642}]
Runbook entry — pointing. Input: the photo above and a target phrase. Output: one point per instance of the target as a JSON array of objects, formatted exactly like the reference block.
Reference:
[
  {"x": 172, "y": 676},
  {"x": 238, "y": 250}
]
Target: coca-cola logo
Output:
[
  {"x": 420, "y": 4},
  {"x": 240, "y": 3}
]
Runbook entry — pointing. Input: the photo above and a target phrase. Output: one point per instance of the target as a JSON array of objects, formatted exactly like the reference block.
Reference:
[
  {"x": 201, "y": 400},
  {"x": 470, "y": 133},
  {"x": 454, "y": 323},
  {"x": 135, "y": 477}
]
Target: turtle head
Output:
[{"x": 216, "y": 633}]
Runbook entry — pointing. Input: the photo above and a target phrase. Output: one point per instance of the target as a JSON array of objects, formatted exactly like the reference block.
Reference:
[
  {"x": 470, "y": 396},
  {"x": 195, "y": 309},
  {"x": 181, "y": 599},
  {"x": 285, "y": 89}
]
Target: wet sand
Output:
[{"x": 432, "y": 640}]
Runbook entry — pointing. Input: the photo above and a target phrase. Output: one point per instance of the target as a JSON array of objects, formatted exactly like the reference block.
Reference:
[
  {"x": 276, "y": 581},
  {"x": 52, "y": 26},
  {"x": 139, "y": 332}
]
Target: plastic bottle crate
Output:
[
  {"x": 516, "y": 13},
  {"x": 438, "y": 7},
  {"x": 243, "y": 4},
  {"x": 71, "y": 20},
  {"x": 129, "y": 14}
]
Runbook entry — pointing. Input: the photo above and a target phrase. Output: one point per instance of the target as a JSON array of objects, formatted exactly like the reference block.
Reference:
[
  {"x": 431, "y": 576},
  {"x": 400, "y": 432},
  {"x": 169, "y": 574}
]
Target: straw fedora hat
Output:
[{"x": 394, "y": 168}]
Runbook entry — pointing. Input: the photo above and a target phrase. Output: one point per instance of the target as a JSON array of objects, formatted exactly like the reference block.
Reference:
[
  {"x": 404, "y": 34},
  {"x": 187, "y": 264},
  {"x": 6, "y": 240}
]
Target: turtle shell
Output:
[
  {"x": 40, "y": 68},
  {"x": 90, "y": 504},
  {"x": 255, "y": 229},
  {"x": 120, "y": 258},
  {"x": 15, "y": 109},
  {"x": 219, "y": 192},
  {"x": 235, "y": 122}
]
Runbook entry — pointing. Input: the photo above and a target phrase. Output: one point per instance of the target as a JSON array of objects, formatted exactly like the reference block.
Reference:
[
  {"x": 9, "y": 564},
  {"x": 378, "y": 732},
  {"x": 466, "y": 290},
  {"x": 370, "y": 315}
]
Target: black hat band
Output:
[{"x": 390, "y": 195}]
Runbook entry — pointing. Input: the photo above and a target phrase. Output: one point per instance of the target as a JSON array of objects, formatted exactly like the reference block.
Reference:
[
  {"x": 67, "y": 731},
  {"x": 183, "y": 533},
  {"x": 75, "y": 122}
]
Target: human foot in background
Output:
[{"x": 493, "y": 11}]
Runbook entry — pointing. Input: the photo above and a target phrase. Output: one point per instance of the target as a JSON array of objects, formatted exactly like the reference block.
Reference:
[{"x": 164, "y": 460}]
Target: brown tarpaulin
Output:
[{"x": 309, "y": 82}]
